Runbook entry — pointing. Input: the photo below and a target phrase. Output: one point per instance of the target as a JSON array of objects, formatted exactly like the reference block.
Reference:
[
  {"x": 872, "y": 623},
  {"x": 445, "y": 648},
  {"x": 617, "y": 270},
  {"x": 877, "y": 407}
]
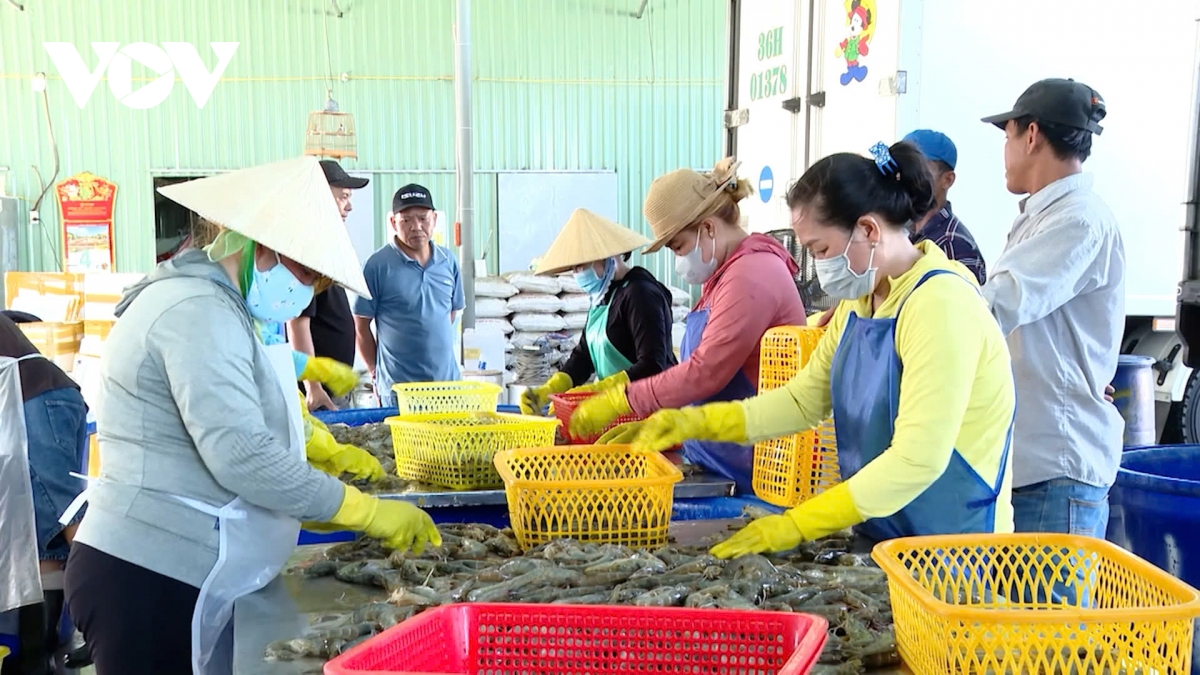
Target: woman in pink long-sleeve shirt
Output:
[{"x": 748, "y": 287}]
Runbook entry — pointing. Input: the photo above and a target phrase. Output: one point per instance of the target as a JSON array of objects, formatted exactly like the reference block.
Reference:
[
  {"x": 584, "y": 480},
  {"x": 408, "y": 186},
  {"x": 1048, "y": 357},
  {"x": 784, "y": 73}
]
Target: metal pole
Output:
[{"x": 464, "y": 163}]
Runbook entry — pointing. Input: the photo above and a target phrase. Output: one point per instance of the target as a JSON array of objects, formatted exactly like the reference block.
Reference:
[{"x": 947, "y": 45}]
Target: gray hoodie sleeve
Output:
[{"x": 210, "y": 373}]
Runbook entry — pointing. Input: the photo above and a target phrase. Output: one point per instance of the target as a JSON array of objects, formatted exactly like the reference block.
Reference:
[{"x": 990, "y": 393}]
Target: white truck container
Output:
[{"x": 796, "y": 94}]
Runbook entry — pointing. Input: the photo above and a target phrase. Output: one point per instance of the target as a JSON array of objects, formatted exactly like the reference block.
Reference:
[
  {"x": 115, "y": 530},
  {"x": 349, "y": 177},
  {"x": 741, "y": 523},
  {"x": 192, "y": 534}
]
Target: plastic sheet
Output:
[{"x": 20, "y": 583}]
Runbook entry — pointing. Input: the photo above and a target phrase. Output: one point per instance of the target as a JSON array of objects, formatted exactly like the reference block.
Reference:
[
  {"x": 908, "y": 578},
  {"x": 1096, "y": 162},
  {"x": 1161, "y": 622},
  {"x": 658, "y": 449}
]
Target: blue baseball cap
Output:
[{"x": 934, "y": 145}]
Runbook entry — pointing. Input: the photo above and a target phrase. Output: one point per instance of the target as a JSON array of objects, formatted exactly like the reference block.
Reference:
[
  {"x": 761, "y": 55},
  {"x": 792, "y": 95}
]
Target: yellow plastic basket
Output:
[
  {"x": 1034, "y": 603},
  {"x": 422, "y": 398},
  {"x": 593, "y": 493},
  {"x": 789, "y": 470},
  {"x": 455, "y": 450}
]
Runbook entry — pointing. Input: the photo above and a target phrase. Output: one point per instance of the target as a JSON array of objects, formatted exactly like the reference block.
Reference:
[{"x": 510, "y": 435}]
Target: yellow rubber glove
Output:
[
  {"x": 596, "y": 413},
  {"x": 534, "y": 400},
  {"x": 339, "y": 377},
  {"x": 829, "y": 512},
  {"x": 335, "y": 459},
  {"x": 622, "y": 434},
  {"x": 397, "y": 524},
  {"x": 620, "y": 378},
  {"x": 665, "y": 429}
]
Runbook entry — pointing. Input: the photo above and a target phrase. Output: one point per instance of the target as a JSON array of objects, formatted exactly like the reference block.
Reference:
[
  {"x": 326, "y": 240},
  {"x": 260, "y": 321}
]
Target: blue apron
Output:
[
  {"x": 733, "y": 461},
  {"x": 865, "y": 388}
]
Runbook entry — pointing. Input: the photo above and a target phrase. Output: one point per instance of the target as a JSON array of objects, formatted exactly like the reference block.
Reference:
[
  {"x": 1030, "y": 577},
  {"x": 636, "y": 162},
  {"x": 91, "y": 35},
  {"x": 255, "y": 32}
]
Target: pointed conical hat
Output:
[
  {"x": 588, "y": 237},
  {"x": 286, "y": 206}
]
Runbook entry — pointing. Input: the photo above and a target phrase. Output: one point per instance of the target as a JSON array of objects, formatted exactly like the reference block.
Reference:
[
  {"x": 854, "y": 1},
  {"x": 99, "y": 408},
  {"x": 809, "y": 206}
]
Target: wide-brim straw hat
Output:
[
  {"x": 677, "y": 199},
  {"x": 588, "y": 237},
  {"x": 286, "y": 206}
]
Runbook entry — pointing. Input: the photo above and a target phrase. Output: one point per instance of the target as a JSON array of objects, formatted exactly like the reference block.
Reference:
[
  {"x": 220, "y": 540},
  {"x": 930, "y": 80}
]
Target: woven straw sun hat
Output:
[
  {"x": 286, "y": 206},
  {"x": 678, "y": 199},
  {"x": 588, "y": 237}
]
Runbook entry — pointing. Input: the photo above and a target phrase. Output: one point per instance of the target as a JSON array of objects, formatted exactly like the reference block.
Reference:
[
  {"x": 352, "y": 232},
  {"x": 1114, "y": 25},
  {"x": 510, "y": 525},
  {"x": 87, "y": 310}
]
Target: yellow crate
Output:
[
  {"x": 57, "y": 341},
  {"x": 455, "y": 450},
  {"x": 970, "y": 604},
  {"x": 423, "y": 398},
  {"x": 789, "y": 470},
  {"x": 593, "y": 493}
]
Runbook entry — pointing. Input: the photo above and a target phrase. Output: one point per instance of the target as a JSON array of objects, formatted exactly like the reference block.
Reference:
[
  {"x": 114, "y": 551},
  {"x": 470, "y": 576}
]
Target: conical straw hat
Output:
[
  {"x": 677, "y": 199},
  {"x": 588, "y": 237},
  {"x": 286, "y": 206}
]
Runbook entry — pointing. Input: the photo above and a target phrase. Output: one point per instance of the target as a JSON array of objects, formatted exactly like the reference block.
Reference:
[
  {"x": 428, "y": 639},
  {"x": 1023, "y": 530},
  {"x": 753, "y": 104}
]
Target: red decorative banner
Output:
[{"x": 85, "y": 202}]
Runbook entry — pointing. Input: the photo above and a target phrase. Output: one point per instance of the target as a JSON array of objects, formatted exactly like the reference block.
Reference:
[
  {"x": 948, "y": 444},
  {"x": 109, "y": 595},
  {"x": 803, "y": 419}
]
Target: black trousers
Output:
[{"x": 133, "y": 620}]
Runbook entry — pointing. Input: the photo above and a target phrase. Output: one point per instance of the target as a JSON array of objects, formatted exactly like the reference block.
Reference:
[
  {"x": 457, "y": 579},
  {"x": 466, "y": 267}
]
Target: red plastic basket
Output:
[
  {"x": 544, "y": 639},
  {"x": 565, "y": 404}
]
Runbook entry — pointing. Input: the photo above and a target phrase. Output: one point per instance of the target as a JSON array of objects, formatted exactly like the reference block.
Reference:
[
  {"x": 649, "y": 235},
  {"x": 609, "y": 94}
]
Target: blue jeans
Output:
[
  {"x": 1064, "y": 506},
  {"x": 1061, "y": 505},
  {"x": 56, "y": 427}
]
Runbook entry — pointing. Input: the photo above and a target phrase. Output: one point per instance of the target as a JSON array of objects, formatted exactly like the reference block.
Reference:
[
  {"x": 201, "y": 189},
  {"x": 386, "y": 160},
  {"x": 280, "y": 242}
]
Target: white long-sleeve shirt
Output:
[{"x": 1058, "y": 292}]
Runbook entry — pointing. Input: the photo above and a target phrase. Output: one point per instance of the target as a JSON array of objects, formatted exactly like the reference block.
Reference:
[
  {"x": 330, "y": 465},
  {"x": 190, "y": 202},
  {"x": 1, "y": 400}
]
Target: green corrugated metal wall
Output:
[{"x": 558, "y": 85}]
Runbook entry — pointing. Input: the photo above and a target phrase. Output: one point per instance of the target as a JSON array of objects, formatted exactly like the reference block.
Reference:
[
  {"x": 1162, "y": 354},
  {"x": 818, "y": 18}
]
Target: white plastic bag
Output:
[
  {"x": 537, "y": 323},
  {"x": 576, "y": 303},
  {"x": 680, "y": 297},
  {"x": 491, "y": 308},
  {"x": 532, "y": 283},
  {"x": 494, "y": 287},
  {"x": 568, "y": 283},
  {"x": 522, "y": 339},
  {"x": 499, "y": 324},
  {"x": 540, "y": 303},
  {"x": 678, "y": 314},
  {"x": 677, "y": 331},
  {"x": 575, "y": 320}
]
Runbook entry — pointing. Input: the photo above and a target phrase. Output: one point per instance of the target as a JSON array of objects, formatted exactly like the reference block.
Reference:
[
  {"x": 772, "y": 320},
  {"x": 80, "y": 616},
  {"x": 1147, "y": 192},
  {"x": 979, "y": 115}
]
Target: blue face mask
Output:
[
  {"x": 594, "y": 284},
  {"x": 277, "y": 295}
]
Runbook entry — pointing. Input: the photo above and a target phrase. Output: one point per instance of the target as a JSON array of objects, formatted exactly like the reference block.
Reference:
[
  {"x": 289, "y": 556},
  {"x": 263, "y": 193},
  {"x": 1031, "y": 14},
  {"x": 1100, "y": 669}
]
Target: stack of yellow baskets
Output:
[
  {"x": 448, "y": 433},
  {"x": 789, "y": 470}
]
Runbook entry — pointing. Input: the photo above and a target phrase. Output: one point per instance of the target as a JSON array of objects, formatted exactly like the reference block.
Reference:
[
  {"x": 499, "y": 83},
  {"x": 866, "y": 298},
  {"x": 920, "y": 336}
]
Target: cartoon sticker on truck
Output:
[{"x": 860, "y": 22}]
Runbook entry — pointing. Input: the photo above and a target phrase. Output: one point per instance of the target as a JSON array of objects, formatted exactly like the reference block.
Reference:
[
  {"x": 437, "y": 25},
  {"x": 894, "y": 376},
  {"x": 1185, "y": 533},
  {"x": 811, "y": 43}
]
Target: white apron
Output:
[
  {"x": 255, "y": 543},
  {"x": 21, "y": 582}
]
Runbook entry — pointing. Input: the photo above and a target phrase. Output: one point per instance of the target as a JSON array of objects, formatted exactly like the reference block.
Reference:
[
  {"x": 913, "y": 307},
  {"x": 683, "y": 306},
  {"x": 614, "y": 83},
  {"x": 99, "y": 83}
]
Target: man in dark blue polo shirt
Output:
[
  {"x": 416, "y": 294},
  {"x": 940, "y": 225}
]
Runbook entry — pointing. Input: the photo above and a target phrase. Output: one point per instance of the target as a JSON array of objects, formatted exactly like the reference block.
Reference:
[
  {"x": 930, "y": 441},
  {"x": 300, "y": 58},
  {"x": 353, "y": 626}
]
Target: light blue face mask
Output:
[
  {"x": 276, "y": 294},
  {"x": 594, "y": 284}
]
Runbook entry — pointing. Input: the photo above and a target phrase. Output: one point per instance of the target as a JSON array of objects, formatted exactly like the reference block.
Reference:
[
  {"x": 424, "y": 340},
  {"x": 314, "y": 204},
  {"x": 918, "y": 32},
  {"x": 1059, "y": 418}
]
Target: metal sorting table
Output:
[{"x": 284, "y": 608}]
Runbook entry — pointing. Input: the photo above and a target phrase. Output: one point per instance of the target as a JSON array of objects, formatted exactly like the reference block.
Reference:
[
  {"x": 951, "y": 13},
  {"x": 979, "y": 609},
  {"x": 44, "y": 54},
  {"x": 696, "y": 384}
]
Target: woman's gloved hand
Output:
[
  {"x": 595, "y": 414},
  {"x": 325, "y": 453},
  {"x": 339, "y": 377},
  {"x": 620, "y": 378},
  {"x": 829, "y": 512},
  {"x": 534, "y": 400},
  {"x": 622, "y": 434},
  {"x": 397, "y": 524},
  {"x": 665, "y": 429}
]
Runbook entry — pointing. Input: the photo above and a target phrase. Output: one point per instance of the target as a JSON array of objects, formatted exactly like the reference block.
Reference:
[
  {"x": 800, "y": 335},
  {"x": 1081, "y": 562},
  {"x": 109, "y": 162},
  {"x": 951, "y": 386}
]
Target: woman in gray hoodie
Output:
[{"x": 203, "y": 479}]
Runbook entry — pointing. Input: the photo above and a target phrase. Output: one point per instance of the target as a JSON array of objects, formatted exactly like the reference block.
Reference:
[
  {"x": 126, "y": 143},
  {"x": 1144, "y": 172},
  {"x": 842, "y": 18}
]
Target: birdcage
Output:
[
  {"x": 811, "y": 295},
  {"x": 331, "y": 134}
]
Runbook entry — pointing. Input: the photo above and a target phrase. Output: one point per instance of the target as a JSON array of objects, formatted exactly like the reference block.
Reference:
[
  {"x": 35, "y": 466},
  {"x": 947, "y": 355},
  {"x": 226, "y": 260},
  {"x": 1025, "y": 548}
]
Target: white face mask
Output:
[
  {"x": 843, "y": 283},
  {"x": 692, "y": 267}
]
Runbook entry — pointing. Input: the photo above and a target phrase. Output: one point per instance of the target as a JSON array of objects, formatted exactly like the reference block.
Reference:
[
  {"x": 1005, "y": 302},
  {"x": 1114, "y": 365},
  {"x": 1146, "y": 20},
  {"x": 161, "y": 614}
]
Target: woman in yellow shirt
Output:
[{"x": 912, "y": 365}]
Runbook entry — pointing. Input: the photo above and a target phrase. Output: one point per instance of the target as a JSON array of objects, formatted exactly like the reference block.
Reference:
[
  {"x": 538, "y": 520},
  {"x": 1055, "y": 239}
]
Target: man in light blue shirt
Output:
[
  {"x": 1058, "y": 292},
  {"x": 416, "y": 294}
]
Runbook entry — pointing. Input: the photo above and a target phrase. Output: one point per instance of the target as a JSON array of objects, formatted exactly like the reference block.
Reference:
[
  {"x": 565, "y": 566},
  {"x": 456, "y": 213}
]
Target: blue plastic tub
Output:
[
  {"x": 1158, "y": 491},
  {"x": 1133, "y": 395},
  {"x": 1158, "y": 494}
]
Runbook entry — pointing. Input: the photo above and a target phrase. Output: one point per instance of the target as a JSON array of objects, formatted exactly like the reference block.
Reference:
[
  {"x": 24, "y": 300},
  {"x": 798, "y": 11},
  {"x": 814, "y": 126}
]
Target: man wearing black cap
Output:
[
  {"x": 416, "y": 292},
  {"x": 326, "y": 327},
  {"x": 1058, "y": 292}
]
